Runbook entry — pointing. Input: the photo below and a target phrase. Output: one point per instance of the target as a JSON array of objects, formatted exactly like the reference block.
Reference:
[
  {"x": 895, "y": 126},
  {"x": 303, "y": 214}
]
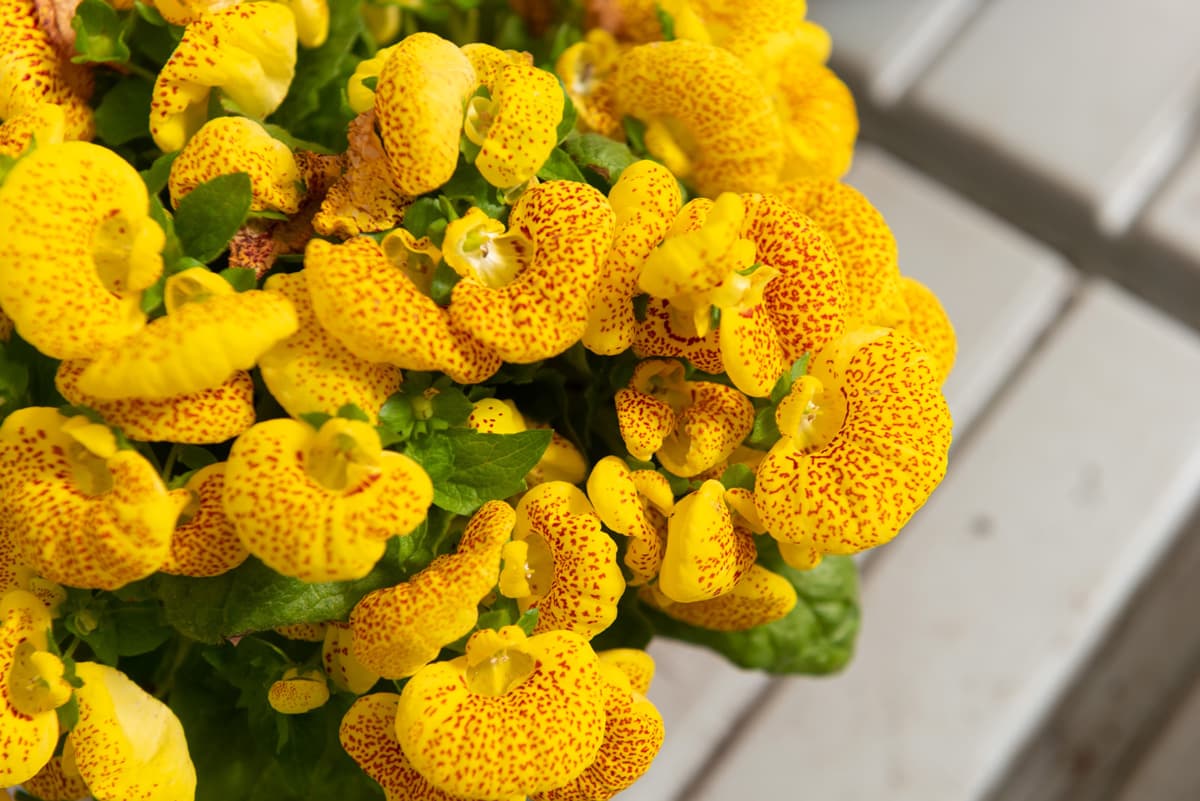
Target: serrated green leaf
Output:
[
  {"x": 157, "y": 174},
  {"x": 99, "y": 33},
  {"x": 124, "y": 113},
  {"x": 816, "y": 637},
  {"x": 469, "y": 468},
  {"x": 600, "y": 155},
  {"x": 242, "y": 279},
  {"x": 560, "y": 167},
  {"x": 452, "y": 406},
  {"x": 208, "y": 216}
]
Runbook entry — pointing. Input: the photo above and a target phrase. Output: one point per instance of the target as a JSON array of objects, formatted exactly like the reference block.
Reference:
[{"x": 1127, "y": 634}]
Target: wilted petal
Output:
[
  {"x": 205, "y": 542},
  {"x": 228, "y": 145},
  {"x": 364, "y": 199}
]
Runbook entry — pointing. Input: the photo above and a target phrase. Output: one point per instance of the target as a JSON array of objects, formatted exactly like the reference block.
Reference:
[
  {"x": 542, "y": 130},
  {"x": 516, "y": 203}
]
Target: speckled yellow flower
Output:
[
  {"x": 205, "y": 542},
  {"x": 514, "y": 716},
  {"x": 864, "y": 244},
  {"x": 208, "y": 334},
  {"x": 929, "y": 325},
  {"x": 227, "y": 145},
  {"x": 419, "y": 99},
  {"x": 690, "y": 426},
  {"x": 72, "y": 272},
  {"x": 33, "y": 72},
  {"x": 44, "y": 123},
  {"x": 769, "y": 271},
  {"x": 527, "y": 293},
  {"x": 298, "y": 691},
  {"x": 341, "y": 664},
  {"x": 319, "y": 505},
  {"x": 360, "y": 96},
  {"x": 635, "y": 503},
  {"x": 868, "y": 426},
  {"x": 311, "y": 371},
  {"x": 54, "y": 783},
  {"x": 707, "y": 116},
  {"x": 201, "y": 418},
  {"x": 586, "y": 69},
  {"x": 561, "y": 461},
  {"x": 758, "y": 598},
  {"x": 561, "y": 562},
  {"x": 706, "y": 554},
  {"x": 516, "y": 126},
  {"x": 81, "y": 512},
  {"x": 398, "y": 630},
  {"x": 645, "y": 201},
  {"x": 128, "y": 744},
  {"x": 248, "y": 51},
  {"x": 373, "y": 307},
  {"x": 820, "y": 120},
  {"x": 364, "y": 199},
  {"x": 31, "y": 688},
  {"x": 181, "y": 12},
  {"x": 633, "y": 734}
]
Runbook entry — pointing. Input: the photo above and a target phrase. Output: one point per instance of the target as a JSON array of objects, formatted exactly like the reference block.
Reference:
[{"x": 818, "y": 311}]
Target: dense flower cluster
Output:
[{"x": 370, "y": 395}]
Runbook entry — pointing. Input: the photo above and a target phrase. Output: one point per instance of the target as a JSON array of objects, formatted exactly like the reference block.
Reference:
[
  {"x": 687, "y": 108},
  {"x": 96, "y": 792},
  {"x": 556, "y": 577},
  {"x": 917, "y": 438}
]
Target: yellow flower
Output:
[
  {"x": 208, "y": 334},
  {"x": 72, "y": 272},
  {"x": 820, "y": 120},
  {"x": 419, "y": 101},
  {"x": 228, "y": 145},
  {"x": 527, "y": 293},
  {"x": 53, "y": 783},
  {"x": 298, "y": 692},
  {"x": 636, "y": 504},
  {"x": 248, "y": 51},
  {"x": 320, "y": 505},
  {"x": 373, "y": 307},
  {"x": 707, "y": 116},
  {"x": 341, "y": 663},
  {"x": 636, "y": 664},
  {"x": 928, "y": 324},
  {"x": 363, "y": 199},
  {"x": 44, "y": 123},
  {"x": 758, "y": 598},
  {"x": 691, "y": 426},
  {"x": 312, "y": 20},
  {"x": 513, "y": 716},
  {"x": 864, "y": 244},
  {"x": 205, "y": 542},
  {"x": 633, "y": 734},
  {"x": 870, "y": 428},
  {"x": 562, "y": 461},
  {"x": 770, "y": 272},
  {"x": 561, "y": 562},
  {"x": 81, "y": 512},
  {"x": 706, "y": 554},
  {"x": 181, "y": 12},
  {"x": 645, "y": 200},
  {"x": 586, "y": 69},
  {"x": 202, "y": 418},
  {"x": 16, "y": 575},
  {"x": 398, "y": 630},
  {"x": 360, "y": 96},
  {"x": 311, "y": 371},
  {"x": 516, "y": 127},
  {"x": 33, "y": 73},
  {"x": 31, "y": 688},
  {"x": 127, "y": 744}
]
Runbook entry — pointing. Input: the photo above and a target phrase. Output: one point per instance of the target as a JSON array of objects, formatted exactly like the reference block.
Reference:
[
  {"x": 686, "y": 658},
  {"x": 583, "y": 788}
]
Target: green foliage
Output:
[
  {"x": 560, "y": 167},
  {"x": 600, "y": 156},
  {"x": 100, "y": 33},
  {"x": 241, "y": 279},
  {"x": 738, "y": 475},
  {"x": 124, "y": 113},
  {"x": 666, "y": 21},
  {"x": 816, "y": 637},
  {"x": 158, "y": 173},
  {"x": 469, "y": 468},
  {"x": 112, "y": 627},
  {"x": 208, "y": 216},
  {"x": 14, "y": 383}
]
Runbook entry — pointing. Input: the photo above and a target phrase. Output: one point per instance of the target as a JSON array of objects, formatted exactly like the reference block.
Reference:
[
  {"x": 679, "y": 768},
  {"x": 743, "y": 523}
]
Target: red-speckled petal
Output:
[
  {"x": 53, "y": 783},
  {"x": 645, "y": 422},
  {"x": 636, "y": 664},
  {"x": 299, "y": 691},
  {"x": 581, "y": 594},
  {"x": 72, "y": 272},
  {"x": 544, "y": 309},
  {"x": 374, "y": 309},
  {"x": 311, "y": 371},
  {"x": 44, "y": 123},
  {"x": 128, "y": 744},
  {"x": 226, "y": 145},
  {"x": 341, "y": 664},
  {"x": 207, "y": 543},
  {"x": 248, "y": 51},
  {"x": 760, "y": 597},
  {"x": 929, "y": 325},
  {"x": 318, "y": 516},
  {"x": 419, "y": 101},
  {"x": 706, "y": 554},
  {"x": 720, "y": 131},
  {"x": 199, "y": 418},
  {"x": 864, "y": 245},
  {"x": 750, "y": 350},
  {"x": 527, "y": 106},
  {"x": 539, "y": 734},
  {"x": 658, "y": 335},
  {"x": 399, "y": 629},
  {"x": 852, "y": 482},
  {"x": 707, "y": 431},
  {"x": 33, "y": 73},
  {"x": 29, "y": 735},
  {"x": 820, "y": 120}
]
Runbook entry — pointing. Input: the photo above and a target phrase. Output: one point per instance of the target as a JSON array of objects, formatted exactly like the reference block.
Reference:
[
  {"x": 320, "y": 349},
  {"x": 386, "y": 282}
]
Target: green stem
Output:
[
  {"x": 182, "y": 649},
  {"x": 169, "y": 463}
]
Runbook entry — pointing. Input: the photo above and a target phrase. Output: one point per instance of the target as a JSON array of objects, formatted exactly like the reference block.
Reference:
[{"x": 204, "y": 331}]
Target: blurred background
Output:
[{"x": 1033, "y": 634}]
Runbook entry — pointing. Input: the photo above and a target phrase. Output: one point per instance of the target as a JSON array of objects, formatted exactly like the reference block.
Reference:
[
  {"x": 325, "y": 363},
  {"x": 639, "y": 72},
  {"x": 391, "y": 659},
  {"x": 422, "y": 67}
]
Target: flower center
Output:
[
  {"x": 480, "y": 115},
  {"x": 478, "y": 247},
  {"x": 92, "y": 444},
  {"x": 416, "y": 258},
  {"x": 127, "y": 255},
  {"x": 498, "y": 661},
  {"x": 36, "y": 680},
  {"x": 344, "y": 455},
  {"x": 196, "y": 285},
  {"x": 528, "y": 572},
  {"x": 663, "y": 380},
  {"x": 810, "y": 415}
]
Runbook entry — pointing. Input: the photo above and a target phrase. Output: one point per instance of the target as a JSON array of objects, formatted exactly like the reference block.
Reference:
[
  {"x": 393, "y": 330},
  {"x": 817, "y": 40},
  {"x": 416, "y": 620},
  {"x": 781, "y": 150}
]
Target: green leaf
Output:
[
  {"x": 396, "y": 415},
  {"x": 784, "y": 385},
  {"x": 469, "y": 468},
  {"x": 600, "y": 155},
  {"x": 816, "y": 637},
  {"x": 445, "y": 278},
  {"x": 283, "y": 135},
  {"x": 316, "y": 419},
  {"x": 738, "y": 475},
  {"x": 765, "y": 432},
  {"x": 560, "y": 167},
  {"x": 370, "y": 82},
  {"x": 14, "y": 383},
  {"x": 139, "y": 628},
  {"x": 351, "y": 412},
  {"x": 242, "y": 279},
  {"x": 421, "y": 214},
  {"x": 124, "y": 113},
  {"x": 470, "y": 188},
  {"x": 150, "y": 14},
  {"x": 253, "y": 597},
  {"x": 208, "y": 216},
  {"x": 99, "y": 33},
  {"x": 6, "y": 164},
  {"x": 451, "y": 406},
  {"x": 193, "y": 457},
  {"x": 635, "y": 134},
  {"x": 666, "y": 21},
  {"x": 68, "y": 716},
  {"x": 570, "y": 114},
  {"x": 157, "y": 174}
]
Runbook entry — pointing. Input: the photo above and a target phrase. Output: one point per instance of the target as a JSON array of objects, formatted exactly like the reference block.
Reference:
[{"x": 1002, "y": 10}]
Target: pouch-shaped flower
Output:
[
  {"x": 227, "y": 145},
  {"x": 33, "y": 72}
]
